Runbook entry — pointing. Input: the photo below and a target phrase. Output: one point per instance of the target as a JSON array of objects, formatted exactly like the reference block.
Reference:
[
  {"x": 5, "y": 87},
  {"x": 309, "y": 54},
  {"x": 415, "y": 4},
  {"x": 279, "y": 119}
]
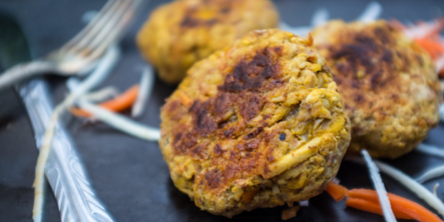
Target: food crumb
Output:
[{"x": 290, "y": 213}]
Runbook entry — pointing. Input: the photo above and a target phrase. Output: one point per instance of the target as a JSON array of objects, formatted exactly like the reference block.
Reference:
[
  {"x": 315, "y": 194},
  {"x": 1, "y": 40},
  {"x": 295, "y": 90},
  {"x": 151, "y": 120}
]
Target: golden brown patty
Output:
[
  {"x": 389, "y": 85},
  {"x": 180, "y": 33},
  {"x": 256, "y": 125}
]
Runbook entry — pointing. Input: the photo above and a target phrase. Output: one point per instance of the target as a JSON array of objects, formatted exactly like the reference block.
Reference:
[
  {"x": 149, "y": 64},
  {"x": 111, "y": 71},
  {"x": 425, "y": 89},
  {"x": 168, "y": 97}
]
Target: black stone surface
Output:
[{"x": 129, "y": 174}]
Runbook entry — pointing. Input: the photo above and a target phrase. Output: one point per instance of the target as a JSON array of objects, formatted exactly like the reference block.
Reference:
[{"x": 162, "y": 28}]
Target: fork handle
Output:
[
  {"x": 24, "y": 71},
  {"x": 64, "y": 170}
]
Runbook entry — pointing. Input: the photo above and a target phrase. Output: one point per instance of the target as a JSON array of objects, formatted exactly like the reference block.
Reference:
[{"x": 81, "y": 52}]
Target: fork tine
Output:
[
  {"x": 108, "y": 30},
  {"x": 111, "y": 24},
  {"x": 100, "y": 46},
  {"x": 91, "y": 25},
  {"x": 111, "y": 14},
  {"x": 95, "y": 28}
]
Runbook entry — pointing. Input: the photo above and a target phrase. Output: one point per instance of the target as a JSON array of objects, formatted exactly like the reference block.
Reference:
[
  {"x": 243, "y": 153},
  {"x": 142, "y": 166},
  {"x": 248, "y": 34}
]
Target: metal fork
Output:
[{"x": 81, "y": 52}]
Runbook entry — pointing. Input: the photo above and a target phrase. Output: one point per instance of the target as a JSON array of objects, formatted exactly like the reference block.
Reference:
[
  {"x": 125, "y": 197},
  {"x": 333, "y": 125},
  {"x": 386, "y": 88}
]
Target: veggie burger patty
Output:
[
  {"x": 180, "y": 33},
  {"x": 389, "y": 84},
  {"x": 258, "y": 124}
]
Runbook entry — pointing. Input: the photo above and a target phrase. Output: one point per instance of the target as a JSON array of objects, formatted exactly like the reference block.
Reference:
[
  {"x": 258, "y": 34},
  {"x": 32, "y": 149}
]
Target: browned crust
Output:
[
  {"x": 388, "y": 82},
  {"x": 180, "y": 33},
  {"x": 261, "y": 112},
  {"x": 242, "y": 91}
]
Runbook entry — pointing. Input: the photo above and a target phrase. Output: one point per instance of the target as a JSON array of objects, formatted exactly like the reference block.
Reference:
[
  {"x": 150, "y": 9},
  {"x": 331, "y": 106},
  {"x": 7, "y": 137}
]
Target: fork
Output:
[{"x": 81, "y": 53}]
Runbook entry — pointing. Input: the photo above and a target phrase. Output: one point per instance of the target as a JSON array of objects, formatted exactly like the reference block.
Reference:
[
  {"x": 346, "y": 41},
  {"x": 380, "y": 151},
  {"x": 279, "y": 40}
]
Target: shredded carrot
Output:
[
  {"x": 367, "y": 200},
  {"x": 336, "y": 191},
  {"x": 185, "y": 99},
  {"x": 372, "y": 207},
  {"x": 429, "y": 39},
  {"x": 120, "y": 103},
  {"x": 434, "y": 48},
  {"x": 399, "y": 204}
]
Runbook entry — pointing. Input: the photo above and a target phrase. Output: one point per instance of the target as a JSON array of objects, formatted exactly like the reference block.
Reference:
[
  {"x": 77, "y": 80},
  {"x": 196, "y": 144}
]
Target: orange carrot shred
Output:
[
  {"x": 120, "y": 103},
  {"x": 399, "y": 204},
  {"x": 372, "y": 207},
  {"x": 336, "y": 191},
  {"x": 186, "y": 100},
  {"x": 434, "y": 48}
]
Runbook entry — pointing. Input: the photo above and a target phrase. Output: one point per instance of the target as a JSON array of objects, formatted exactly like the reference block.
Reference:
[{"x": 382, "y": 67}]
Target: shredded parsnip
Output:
[
  {"x": 380, "y": 188},
  {"x": 101, "y": 72}
]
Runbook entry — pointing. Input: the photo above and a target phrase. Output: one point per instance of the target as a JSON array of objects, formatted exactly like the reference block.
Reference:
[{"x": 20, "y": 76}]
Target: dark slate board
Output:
[{"x": 129, "y": 174}]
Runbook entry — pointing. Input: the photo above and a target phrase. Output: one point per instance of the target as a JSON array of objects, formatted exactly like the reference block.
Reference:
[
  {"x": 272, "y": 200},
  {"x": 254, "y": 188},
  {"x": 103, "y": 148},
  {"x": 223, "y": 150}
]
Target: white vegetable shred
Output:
[{"x": 380, "y": 188}]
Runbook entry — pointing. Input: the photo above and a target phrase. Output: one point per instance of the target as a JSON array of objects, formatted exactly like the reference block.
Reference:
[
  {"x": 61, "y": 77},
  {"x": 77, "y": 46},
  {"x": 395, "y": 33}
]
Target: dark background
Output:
[{"x": 129, "y": 174}]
